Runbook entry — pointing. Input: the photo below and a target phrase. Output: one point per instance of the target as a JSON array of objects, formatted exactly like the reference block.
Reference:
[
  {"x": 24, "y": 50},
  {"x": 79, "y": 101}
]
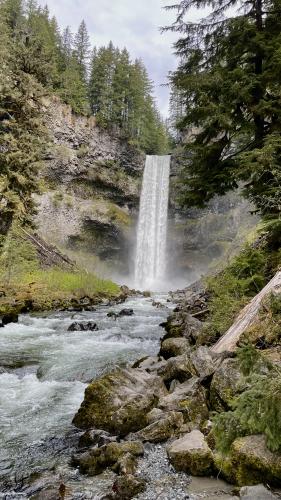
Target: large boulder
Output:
[
  {"x": 119, "y": 402},
  {"x": 226, "y": 383},
  {"x": 250, "y": 462},
  {"x": 182, "y": 324},
  {"x": 253, "y": 461},
  {"x": 161, "y": 430},
  {"x": 178, "y": 368},
  {"x": 203, "y": 362},
  {"x": 188, "y": 398},
  {"x": 191, "y": 454},
  {"x": 174, "y": 347}
]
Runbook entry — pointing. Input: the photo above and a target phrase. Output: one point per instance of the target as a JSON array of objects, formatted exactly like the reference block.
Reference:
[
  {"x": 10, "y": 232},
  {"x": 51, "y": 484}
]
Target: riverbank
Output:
[
  {"x": 199, "y": 403},
  {"x": 36, "y": 277},
  {"x": 44, "y": 370}
]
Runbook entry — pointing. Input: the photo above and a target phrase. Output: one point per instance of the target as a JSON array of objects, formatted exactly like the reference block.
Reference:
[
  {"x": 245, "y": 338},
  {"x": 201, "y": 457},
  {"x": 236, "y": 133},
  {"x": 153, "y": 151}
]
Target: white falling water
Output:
[{"x": 150, "y": 260}]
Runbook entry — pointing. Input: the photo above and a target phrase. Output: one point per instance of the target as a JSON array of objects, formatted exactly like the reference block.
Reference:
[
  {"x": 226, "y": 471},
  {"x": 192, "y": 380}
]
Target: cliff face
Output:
[
  {"x": 201, "y": 240},
  {"x": 88, "y": 208},
  {"x": 91, "y": 184}
]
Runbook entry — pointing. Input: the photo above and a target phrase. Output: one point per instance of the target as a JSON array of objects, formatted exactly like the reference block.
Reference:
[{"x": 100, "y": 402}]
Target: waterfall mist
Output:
[{"x": 150, "y": 260}]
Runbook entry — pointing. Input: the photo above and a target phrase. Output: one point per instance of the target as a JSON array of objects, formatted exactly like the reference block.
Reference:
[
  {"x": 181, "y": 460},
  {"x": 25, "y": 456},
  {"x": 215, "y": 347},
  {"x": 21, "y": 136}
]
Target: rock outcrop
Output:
[{"x": 120, "y": 401}]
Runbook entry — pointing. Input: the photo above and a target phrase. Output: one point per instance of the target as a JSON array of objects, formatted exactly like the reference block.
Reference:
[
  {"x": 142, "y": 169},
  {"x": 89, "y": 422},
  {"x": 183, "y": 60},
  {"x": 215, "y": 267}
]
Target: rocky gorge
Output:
[{"x": 91, "y": 182}]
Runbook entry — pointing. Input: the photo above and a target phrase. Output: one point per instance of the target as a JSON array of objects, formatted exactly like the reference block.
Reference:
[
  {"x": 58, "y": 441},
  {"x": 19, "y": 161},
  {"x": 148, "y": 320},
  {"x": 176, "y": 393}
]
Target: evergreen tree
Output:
[
  {"x": 21, "y": 126},
  {"x": 82, "y": 49},
  {"x": 101, "y": 84},
  {"x": 229, "y": 76}
]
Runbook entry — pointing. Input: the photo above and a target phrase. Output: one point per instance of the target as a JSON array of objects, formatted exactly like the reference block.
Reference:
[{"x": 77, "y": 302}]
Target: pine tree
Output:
[
  {"x": 101, "y": 84},
  {"x": 21, "y": 126},
  {"x": 230, "y": 75},
  {"x": 82, "y": 50}
]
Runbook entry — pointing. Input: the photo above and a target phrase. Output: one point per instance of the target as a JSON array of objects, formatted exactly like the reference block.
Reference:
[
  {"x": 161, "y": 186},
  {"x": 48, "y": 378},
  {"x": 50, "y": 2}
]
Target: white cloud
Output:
[{"x": 135, "y": 25}]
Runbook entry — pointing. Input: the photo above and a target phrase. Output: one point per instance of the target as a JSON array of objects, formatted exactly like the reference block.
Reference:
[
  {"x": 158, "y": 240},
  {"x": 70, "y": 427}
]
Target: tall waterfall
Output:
[{"x": 152, "y": 225}]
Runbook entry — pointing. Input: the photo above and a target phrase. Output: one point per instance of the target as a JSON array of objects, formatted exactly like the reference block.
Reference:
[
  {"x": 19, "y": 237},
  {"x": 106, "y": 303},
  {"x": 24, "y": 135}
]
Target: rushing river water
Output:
[{"x": 44, "y": 372}]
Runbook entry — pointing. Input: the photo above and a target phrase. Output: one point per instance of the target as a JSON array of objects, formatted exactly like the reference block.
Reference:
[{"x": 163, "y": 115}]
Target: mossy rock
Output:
[
  {"x": 227, "y": 382},
  {"x": 250, "y": 462},
  {"x": 191, "y": 454},
  {"x": 189, "y": 398},
  {"x": 94, "y": 461},
  {"x": 174, "y": 347},
  {"x": 119, "y": 402}
]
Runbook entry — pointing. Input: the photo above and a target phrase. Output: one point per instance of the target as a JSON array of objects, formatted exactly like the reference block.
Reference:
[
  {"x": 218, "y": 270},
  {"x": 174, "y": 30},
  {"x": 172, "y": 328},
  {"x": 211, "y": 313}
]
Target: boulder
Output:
[
  {"x": 150, "y": 363},
  {"x": 178, "y": 368},
  {"x": 252, "y": 462},
  {"x": 83, "y": 327},
  {"x": 203, "y": 362},
  {"x": 182, "y": 324},
  {"x": 126, "y": 464},
  {"x": 161, "y": 429},
  {"x": 128, "y": 486},
  {"x": 95, "y": 437},
  {"x": 119, "y": 402},
  {"x": 155, "y": 415},
  {"x": 191, "y": 454},
  {"x": 174, "y": 347},
  {"x": 11, "y": 317},
  {"x": 126, "y": 312},
  {"x": 188, "y": 398},
  {"x": 258, "y": 492},
  {"x": 95, "y": 460},
  {"x": 227, "y": 382}
]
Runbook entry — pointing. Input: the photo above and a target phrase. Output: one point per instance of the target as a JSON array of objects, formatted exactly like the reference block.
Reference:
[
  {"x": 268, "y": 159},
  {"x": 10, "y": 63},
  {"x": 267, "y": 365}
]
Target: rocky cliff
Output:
[{"x": 91, "y": 184}]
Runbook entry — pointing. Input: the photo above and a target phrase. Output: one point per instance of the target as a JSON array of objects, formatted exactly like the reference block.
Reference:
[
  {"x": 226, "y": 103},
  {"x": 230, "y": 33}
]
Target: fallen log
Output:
[{"x": 247, "y": 317}]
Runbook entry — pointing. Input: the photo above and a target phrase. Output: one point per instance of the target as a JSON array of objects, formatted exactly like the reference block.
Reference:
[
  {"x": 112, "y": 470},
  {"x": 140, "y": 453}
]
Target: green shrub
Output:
[
  {"x": 231, "y": 289},
  {"x": 258, "y": 409}
]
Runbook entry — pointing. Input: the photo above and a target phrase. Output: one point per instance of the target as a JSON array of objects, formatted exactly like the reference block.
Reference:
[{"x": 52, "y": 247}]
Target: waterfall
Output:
[{"x": 152, "y": 225}]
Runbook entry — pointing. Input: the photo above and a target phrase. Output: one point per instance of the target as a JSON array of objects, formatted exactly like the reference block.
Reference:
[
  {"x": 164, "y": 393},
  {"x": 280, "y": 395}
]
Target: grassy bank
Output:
[{"x": 25, "y": 285}]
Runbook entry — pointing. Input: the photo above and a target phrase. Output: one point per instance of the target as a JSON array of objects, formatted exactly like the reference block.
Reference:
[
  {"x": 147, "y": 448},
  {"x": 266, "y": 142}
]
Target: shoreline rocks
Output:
[
  {"x": 191, "y": 454},
  {"x": 171, "y": 398}
]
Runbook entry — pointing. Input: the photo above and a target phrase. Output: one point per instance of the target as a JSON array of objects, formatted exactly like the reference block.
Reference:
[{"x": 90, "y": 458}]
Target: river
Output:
[{"x": 44, "y": 372}]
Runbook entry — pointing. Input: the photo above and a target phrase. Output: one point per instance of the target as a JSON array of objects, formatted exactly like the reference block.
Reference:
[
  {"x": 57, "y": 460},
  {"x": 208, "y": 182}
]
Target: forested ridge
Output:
[{"x": 38, "y": 60}]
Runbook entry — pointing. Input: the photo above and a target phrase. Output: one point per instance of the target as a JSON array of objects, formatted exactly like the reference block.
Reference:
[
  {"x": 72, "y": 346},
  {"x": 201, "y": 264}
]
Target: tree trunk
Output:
[{"x": 247, "y": 317}]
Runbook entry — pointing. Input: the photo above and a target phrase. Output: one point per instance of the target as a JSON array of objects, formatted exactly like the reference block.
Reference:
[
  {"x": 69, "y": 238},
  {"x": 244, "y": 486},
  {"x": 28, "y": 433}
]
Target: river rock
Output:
[
  {"x": 119, "y": 402},
  {"x": 252, "y": 461},
  {"x": 11, "y": 317},
  {"x": 188, "y": 398},
  {"x": 173, "y": 347},
  {"x": 258, "y": 492},
  {"x": 191, "y": 454},
  {"x": 96, "y": 437},
  {"x": 126, "y": 464},
  {"x": 182, "y": 324},
  {"x": 126, "y": 312},
  {"x": 202, "y": 362},
  {"x": 128, "y": 486},
  {"x": 83, "y": 327},
  {"x": 150, "y": 364},
  {"x": 179, "y": 368},
  {"x": 161, "y": 429},
  {"x": 226, "y": 383},
  {"x": 95, "y": 460}
]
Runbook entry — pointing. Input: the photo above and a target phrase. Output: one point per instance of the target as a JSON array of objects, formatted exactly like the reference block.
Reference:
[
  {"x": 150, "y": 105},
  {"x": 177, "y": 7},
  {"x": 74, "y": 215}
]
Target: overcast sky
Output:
[{"x": 131, "y": 23}]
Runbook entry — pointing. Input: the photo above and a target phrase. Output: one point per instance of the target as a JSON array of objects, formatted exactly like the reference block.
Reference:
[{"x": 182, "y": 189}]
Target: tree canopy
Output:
[{"x": 229, "y": 80}]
